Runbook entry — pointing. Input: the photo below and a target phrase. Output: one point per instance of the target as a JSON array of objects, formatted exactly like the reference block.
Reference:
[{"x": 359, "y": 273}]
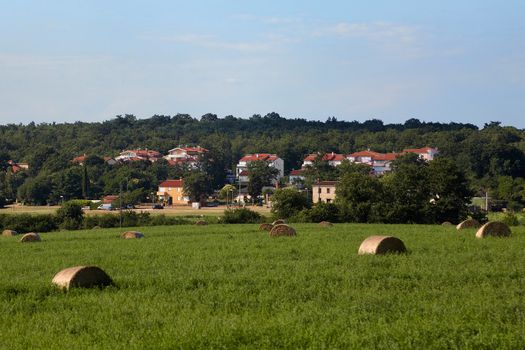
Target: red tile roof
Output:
[
  {"x": 297, "y": 172},
  {"x": 79, "y": 159},
  {"x": 244, "y": 173},
  {"x": 328, "y": 157},
  {"x": 259, "y": 156},
  {"x": 172, "y": 183},
  {"x": 385, "y": 156},
  {"x": 365, "y": 154},
  {"x": 422, "y": 150}
]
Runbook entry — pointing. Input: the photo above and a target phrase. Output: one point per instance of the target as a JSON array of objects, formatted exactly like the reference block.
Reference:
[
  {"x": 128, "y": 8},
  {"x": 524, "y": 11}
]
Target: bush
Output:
[
  {"x": 319, "y": 212},
  {"x": 241, "y": 216},
  {"x": 510, "y": 219},
  {"x": 24, "y": 223},
  {"x": 70, "y": 215},
  {"x": 288, "y": 202}
]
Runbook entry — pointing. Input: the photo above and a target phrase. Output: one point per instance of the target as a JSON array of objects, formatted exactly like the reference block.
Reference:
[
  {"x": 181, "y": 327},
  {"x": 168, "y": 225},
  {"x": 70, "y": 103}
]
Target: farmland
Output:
[{"x": 231, "y": 286}]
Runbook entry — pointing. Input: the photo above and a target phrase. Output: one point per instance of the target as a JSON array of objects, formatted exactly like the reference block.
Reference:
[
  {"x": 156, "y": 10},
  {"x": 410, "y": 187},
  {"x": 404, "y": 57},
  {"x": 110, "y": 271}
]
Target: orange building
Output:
[{"x": 171, "y": 192}]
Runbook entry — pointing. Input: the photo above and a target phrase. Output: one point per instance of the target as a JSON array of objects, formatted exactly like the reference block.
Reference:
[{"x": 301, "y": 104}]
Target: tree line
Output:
[{"x": 492, "y": 157}]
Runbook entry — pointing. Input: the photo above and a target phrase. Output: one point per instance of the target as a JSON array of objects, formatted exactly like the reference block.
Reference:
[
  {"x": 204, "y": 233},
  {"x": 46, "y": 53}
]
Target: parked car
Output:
[
  {"x": 157, "y": 206},
  {"x": 105, "y": 207}
]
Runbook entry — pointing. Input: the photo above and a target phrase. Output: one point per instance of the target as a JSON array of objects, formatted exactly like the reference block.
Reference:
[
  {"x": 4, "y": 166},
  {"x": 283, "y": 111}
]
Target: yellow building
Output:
[
  {"x": 324, "y": 191},
  {"x": 171, "y": 192}
]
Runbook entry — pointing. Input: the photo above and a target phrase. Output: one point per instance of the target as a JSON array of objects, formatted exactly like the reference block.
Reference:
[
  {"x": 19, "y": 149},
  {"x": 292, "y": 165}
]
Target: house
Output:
[
  {"x": 185, "y": 156},
  {"x": 109, "y": 199},
  {"x": 296, "y": 177},
  {"x": 171, "y": 192},
  {"x": 426, "y": 153},
  {"x": 80, "y": 159},
  {"x": 17, "y": 167},
  {"x": 324, "y": 191},
  {"x": 272, "y": 159},
  {"x": 138, "y": 154},
  {"x": 334, "y": 159}
]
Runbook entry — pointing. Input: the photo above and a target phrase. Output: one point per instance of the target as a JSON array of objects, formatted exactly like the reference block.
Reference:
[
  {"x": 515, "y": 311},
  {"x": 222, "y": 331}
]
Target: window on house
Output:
[
  {"x": 328, "y": 190},
  {"x": 328, "y": 200}
]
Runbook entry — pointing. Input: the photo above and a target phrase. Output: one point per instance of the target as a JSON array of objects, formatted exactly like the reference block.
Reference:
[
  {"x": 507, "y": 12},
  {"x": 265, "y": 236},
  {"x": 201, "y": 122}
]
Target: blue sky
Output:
[{"x": 356, "y": 60}]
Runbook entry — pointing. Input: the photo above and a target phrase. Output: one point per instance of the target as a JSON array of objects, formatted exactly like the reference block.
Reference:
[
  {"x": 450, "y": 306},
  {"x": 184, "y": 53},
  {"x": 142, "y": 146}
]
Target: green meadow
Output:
[{"x": 232, "y": 286}]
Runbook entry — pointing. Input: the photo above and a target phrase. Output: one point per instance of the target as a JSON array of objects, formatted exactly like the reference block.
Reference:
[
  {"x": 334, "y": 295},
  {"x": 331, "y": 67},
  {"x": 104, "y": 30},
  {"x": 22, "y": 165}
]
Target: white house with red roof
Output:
[
  {"x": 272, "y": 159},
  {"x": 17, "y": 167},
  {"x": 138, "y": 154},
  {"x": 426, "y": 153},
  {"x": 185, "y": 156},
  {"x": 334, "y": 159}
]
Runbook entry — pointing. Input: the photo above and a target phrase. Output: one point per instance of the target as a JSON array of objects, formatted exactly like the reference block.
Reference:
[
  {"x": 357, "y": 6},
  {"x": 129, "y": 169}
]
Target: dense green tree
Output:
[
  {"x": 288, "y": 202},
  {"x": 260, "y": 174},
  {"x": 359, "y": 197},
  {"x": 197, "y": 186}
]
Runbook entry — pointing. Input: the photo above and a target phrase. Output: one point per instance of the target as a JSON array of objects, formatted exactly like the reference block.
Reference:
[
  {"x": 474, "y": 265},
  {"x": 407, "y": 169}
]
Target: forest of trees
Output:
[{"x": 493, "y": 157}]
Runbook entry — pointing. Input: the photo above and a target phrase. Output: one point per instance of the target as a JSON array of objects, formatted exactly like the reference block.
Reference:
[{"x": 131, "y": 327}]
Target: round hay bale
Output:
[
  {"x": 494, "y": 229},
  {"x": 282, "y": 230},
  {"x": 381, "y": 245},
  {"x": 82, "y": 276},
  {"x": 201, "y": 223},
  {"x": 265, "y": 227},
  {"x": 95, "y": 228},
  {"x": 131, "y": 235},
  {"x": 9, "y": 233},
  {"x": 279, "y": 222},
  {"x": 325, "y": 224},
  {"x": 469, "y": 223},
  {"x": 446, "y": 223},
  {"x": 30, "y": 237}
]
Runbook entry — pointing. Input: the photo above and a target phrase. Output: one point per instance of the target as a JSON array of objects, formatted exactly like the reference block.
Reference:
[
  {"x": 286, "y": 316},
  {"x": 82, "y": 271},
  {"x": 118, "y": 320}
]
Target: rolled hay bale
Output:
[
  {"x": 82, "y": 276},
  {"x": 469, "y": 223},
  {"x": 95, "y": 228},
  {"x": 9, "y": 233},
  {"x": 30, "y": 237},
  {"x": 265, "y": 227},
  {"x": 282, "y": 230},
  {"x": 325, "y": 224},
  {"x": 381, "y": 245},
  {"x": 446, "y": 223},
  {"x": 494, "y": 229},
  {"x": 279, "y": 222},
  {"x": 201, "y": 223},
  {"x": 131, "y": 235}
]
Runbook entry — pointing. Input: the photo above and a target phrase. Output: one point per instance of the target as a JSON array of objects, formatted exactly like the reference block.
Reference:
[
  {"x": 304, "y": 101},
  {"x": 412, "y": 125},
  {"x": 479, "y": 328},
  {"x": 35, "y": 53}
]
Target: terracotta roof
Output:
[
  {"x": 385, "y": 156},
  {"x": 259, "y": 156},
  {"x": 172, "y": 183},
  {"x": 79, "y": 159},
  {"x": 326, "y": 183},
  {"x": 419, "y": 150},
  {"x": 328, "y": 156},
  {"x": 197, "y": 149},
  {"x": 244, "y": 173},
  {"x": 364, "y": 154},
  {"x": 297, "y": 172}
]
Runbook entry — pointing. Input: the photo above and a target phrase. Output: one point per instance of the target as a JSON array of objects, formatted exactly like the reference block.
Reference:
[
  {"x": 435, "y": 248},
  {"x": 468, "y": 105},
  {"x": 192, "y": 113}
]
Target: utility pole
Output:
[{"x": 120, "y": 205}]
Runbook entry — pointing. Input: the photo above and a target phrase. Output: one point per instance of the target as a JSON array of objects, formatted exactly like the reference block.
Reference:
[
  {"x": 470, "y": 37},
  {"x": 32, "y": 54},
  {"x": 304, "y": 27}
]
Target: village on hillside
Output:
[{"x": 171, "y": 191}]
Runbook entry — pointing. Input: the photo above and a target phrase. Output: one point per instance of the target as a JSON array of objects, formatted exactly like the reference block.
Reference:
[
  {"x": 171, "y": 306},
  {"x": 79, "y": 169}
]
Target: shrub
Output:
[
  {"x": 319, "y": 212},
  {"x": 70, "y": 215},
  {"x": 240, "y": 216},
  {"x": 288, "y": 202},
  {"x": 510, "y": 219},
  {"x": 23, "y": 223}
]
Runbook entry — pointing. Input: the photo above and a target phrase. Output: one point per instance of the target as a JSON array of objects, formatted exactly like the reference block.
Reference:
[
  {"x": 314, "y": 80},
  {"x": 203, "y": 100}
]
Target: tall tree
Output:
[{"x": 260, "y": 174}]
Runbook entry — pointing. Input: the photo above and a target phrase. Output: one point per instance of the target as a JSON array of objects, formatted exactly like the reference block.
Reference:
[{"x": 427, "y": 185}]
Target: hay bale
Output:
[
  {"x": 265, "y": 227},
  {"x": 469, "y": 223},
  {"x": 494, "y": 229},
  {"x": 131, "y": 235},
  {"x": 95, "y": 228},
  {"x": 282, "y": 230},
  {"x": 201, "y": 223},
  {"x": 30, "y": 237},
  {"x": 279, "y": 222},
  {"x": 381, "y": 245},
  {"x": 446, "y": 223},
  {"x": 82, "y": 276},
  {"x": 325, "y": 224},
  {"x": 9, "y": 233}
]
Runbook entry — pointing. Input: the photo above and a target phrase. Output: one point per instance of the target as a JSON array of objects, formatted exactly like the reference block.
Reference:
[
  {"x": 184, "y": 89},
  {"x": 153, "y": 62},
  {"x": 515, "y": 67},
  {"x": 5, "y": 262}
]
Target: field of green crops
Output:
[{"x": 232, "y": 286}]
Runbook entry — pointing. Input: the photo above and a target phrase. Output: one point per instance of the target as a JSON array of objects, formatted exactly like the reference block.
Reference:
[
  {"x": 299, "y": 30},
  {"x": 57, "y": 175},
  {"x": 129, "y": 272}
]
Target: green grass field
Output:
[{"x": 233, "y": 286}]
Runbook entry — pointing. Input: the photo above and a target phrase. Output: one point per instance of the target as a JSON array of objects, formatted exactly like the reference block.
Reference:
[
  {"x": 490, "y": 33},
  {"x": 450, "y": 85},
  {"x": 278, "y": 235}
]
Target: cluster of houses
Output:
[{"x": 171, "y": 191}]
